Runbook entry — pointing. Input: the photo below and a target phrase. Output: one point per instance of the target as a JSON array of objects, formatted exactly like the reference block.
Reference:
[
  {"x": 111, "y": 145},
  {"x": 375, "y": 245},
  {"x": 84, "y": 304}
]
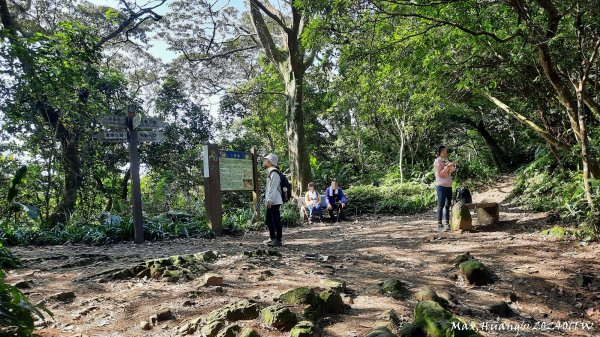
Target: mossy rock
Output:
[
  {"x": 475, "y": 272},
  {"x": 279, "y": 317},
  {"x": 410, "y": 330},
  {"x": 173, "y": 268},
  {"x": 395, "y": 289},
  {"x": 462, "y": 258},
  {"x": 488, "y": 215},
  {"x": 430, "y": 295},
  {"x": 336, "y": 284},
  {"x": 207, "y": 256},
  {"x": 231, "y": 330},
  {"x": 212, "y": 328},
  {"x": 249, "y": 332},
  {"x": 380, "y": 332},
  {"x": 313, "y": 313},
  {"x": 300, "y": 296},
  {"x": 435, "y": 321},
  {"x": 239, "y": 311},
  {"x": 304, "y": 329},
  {"x": 499, "y": 308},
  {"x": 332, "y": 302}
]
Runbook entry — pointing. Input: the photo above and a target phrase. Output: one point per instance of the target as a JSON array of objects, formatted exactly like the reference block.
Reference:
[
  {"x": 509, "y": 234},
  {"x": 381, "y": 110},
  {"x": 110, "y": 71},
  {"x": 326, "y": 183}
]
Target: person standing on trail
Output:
[
  {"x": 443, "y": 185},
  {"x": 273, "y": 201}
]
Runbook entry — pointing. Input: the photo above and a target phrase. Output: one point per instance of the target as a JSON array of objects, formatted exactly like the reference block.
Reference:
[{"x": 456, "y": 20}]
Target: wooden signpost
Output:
[
  {"x": 133, "y": 123},
  {"x": 228, "y": 171}
]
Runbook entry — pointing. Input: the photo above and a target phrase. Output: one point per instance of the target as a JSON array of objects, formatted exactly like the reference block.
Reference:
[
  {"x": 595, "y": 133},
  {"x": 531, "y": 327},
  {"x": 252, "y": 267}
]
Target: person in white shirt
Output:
[
  {"x": 312, "y": 200},
  {"x": 273, "y": 200}
]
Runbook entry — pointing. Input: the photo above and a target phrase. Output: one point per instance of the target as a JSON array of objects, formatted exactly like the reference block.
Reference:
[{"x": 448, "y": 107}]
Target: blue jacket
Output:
[{"x": 332, "y": 198}]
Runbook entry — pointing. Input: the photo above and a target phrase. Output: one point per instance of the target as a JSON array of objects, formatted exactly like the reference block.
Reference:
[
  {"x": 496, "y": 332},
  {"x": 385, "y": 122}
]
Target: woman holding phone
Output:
[{"x": 443, "y": 185}]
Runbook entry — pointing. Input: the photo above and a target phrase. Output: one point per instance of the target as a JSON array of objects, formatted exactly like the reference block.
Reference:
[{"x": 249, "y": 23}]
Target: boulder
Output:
[
  {"x": 430, "y": 295},
  {"x": 332, "y": 301},
  {"x": 211, "y": 329},
  {"x": 499, "y": 308},
  {"x": 336, "y": 284},
  {"x": 435, "y": 321},
  {"x": 380, "y": 332},
  {"x": 300, "y": 296},
  {"x": 212, "y": 279},
  {"x": 249, "y": 333},
  {"x": 475, "y": 272},
  {"x": 239, "y": 311},
  {"x": 394, "y": 288},
  {"x": 231, "y": 330},
  {"x": 145, "y": 325},
  {"x": 488, "y": 212},
  {"x": 304, "y": 329},
  {"x": 278, "y": 317},
  {"x": 460, "y": 217},
  {"x": 164, "y": 315}
]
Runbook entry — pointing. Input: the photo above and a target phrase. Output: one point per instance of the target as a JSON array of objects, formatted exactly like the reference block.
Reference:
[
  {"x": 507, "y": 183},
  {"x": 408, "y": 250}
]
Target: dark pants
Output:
[
  {"x": 336, "y": 206},
  {"x": 444, "y": 197},
  {"x": 273, "y": 220}
]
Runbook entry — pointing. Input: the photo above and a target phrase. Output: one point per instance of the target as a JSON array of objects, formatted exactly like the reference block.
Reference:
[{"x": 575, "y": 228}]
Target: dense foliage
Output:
[{"x": 361, "y": 92}]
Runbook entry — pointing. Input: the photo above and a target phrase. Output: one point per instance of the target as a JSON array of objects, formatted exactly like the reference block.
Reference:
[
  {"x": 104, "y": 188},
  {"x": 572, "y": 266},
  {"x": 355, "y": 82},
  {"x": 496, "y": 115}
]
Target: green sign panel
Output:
[{"x": 236, "y": 171}]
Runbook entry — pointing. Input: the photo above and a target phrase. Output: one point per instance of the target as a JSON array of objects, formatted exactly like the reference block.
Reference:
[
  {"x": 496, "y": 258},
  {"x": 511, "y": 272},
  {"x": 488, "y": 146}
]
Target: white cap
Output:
[{"x": 272, "y": 157}]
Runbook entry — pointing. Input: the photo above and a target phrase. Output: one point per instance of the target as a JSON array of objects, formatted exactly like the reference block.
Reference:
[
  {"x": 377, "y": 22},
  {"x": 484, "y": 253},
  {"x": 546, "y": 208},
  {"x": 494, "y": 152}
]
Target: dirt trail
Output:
[{"x": 539, "y": 271}]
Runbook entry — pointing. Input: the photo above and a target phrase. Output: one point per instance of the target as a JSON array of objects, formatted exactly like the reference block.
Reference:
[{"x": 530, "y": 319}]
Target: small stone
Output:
[
  {"x": 512, "y": 297},
  {"x": 24, "y": 284},
  {"x": 145, "y": 325},
  {"x": 499, "y": 308},
  {"x": 164, "y": 315},
  {"x": 65, "y": 297},
  {"x": 212, "y": 279},
  {"x": 189, "y": 303},
  {"x": 394, "y": 288}
]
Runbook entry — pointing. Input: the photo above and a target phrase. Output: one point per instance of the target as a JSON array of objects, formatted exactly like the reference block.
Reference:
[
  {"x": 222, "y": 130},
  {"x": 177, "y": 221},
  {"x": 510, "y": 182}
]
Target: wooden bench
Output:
[{"x": 488, "y": 213}]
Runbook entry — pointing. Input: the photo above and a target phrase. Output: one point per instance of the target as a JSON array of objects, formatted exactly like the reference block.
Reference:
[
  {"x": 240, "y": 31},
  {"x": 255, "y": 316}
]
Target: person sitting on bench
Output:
[
  {"x": 336, "y": 200},
  {"x": 312, "y": 201}
]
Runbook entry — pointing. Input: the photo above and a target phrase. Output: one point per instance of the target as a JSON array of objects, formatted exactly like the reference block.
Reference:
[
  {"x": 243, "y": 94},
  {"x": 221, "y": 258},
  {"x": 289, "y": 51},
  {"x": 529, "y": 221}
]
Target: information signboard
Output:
[{"x": 236, "y": 171}]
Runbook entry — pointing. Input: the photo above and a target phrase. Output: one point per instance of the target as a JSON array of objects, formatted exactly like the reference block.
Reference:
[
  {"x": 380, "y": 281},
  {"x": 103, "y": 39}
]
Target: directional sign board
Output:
[
  {"x": 120, "y": 122},
  {"x": 236, "y": 171},
  {"x": 112, "y": 136},
  {"x": 150, "y": 136}
]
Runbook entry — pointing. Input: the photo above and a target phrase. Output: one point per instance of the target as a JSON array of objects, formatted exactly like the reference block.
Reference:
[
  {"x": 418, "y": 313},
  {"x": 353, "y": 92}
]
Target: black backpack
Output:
[
  {"x": 285, "y": 186},
  {"x": 464, "y": 195}
]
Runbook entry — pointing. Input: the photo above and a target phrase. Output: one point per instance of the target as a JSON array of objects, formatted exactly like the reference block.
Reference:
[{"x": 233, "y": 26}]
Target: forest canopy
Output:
[{"x": 358, "y": 91}]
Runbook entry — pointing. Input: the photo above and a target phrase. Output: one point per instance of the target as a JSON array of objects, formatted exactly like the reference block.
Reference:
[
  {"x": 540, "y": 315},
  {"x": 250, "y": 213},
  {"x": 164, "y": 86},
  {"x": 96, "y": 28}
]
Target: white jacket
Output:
[{"x": 273, "y": 189}]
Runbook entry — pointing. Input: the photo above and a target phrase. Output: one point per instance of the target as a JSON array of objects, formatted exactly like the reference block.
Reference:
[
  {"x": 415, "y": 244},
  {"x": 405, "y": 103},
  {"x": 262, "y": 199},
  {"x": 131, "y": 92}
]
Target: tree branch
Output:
[
  {"x": 271, "y": 12},
  {"x": 264, "y": 35}
]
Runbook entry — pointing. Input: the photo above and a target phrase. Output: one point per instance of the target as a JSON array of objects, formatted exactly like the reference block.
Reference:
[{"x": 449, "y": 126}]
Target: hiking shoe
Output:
[
  {"x": 441, "y": 228},
  {"x": 268, "y": 242},
  {"x": 275, "y": 243}
]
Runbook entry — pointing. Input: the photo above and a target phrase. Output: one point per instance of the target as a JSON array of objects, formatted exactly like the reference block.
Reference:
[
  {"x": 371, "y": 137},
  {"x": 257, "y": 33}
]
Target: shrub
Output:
[
  {"x": 290, "y": 216},
  {"x": 16, "y": 312},
  {"x": 397, "y": 198}
]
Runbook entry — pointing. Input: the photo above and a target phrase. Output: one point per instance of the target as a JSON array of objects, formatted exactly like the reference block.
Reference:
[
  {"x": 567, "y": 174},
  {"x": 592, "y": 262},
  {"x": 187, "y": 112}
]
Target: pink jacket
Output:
[{"x": 442, "y": 172}]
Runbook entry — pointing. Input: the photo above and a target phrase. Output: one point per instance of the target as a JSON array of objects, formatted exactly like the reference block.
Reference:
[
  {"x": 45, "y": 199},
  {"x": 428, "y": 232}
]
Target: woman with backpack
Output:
[
  {"x": 443, "y": 186},
  {"x": 273, "y": 200}
]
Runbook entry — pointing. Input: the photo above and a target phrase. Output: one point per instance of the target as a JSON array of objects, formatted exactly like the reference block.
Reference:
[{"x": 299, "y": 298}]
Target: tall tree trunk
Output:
[
  {"x": 498, "y": 155},
  {"x": 295, "y": 128}
]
